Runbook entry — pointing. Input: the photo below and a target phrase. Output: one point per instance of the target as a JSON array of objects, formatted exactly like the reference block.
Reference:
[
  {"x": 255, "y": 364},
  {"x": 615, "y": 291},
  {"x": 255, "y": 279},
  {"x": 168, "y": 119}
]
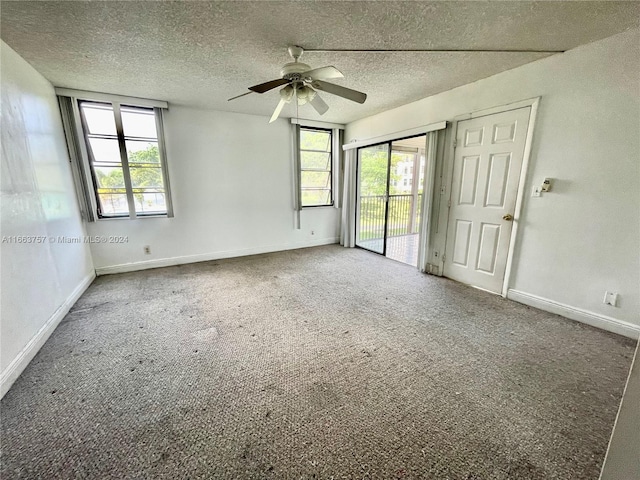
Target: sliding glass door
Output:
[
  {"x": 372, "y": 204},
  {"x": 390, "y": 184}
]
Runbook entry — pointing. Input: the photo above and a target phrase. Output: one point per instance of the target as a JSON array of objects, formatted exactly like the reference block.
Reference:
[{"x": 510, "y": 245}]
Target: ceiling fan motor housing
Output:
[{"x": 292, "y": 71}]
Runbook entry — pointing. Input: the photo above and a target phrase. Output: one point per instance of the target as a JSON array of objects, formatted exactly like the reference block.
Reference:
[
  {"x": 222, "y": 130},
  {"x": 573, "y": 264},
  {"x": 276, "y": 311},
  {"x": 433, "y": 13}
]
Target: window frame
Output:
[
  {"x": 331, "y": 165},
  {"x": 87, "y": 162}
]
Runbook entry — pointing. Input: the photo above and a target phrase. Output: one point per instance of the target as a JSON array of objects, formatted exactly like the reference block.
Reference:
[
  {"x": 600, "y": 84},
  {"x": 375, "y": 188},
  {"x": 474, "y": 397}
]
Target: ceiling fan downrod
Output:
[{"x": 295, "y": 52}]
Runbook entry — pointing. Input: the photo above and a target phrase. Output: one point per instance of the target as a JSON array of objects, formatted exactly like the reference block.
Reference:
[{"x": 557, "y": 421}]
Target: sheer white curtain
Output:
[
  {"x": 348, "y": 224},
  {"x": 427, "y": 199}
]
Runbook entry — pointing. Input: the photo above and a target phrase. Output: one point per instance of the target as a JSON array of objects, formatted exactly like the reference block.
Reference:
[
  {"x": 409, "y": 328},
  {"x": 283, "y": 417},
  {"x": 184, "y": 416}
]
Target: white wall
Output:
[
  {"x": 40, "y": 281},
  {"x": 232, "y": 187},
  {"x": 584, "y": 237}
]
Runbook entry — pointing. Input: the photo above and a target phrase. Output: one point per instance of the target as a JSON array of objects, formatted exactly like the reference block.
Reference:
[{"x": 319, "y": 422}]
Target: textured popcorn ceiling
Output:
[{"x": 201, "y": 53}]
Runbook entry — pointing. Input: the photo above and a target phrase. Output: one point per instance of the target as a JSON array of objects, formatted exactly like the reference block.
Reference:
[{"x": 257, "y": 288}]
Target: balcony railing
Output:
[{"x": 404, "y": 215}]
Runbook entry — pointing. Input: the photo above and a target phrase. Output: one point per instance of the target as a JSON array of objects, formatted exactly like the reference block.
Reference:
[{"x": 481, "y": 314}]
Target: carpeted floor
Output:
[{"x": 315, "y": 363}]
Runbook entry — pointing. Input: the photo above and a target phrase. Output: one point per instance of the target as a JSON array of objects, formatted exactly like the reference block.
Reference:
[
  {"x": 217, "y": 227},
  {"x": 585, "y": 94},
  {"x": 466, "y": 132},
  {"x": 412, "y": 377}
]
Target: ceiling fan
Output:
[{"x": 302, "y": 82}]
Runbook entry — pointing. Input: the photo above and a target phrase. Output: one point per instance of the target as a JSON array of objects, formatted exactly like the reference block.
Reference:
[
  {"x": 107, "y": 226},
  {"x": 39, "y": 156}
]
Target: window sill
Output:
[
  {"x": 108, "y": 219},
  {"x": 315, "y": 207}
]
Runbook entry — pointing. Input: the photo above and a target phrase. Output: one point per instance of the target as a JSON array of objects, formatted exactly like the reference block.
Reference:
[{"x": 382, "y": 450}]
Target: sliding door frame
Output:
[{"x": 389, "y": 144}]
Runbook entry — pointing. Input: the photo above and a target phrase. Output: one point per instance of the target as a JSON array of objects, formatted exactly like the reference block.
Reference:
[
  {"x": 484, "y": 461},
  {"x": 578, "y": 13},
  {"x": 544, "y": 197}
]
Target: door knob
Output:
[{"x": 507, "y": 217}]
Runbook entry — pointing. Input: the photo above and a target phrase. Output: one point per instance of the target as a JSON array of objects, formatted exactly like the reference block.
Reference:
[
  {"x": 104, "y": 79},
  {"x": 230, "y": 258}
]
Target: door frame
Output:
[{"x": 448, "y": 180}]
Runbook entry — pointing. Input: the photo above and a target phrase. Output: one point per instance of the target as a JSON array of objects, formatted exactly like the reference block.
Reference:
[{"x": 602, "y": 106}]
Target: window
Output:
[
  {"x": 125, "y": 159},
  {"x": 316, "y": 175}
]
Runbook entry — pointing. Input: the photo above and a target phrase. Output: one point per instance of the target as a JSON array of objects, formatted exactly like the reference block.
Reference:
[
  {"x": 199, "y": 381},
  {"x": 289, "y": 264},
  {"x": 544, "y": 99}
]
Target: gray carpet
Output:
[{"x": 314, "y": 363}]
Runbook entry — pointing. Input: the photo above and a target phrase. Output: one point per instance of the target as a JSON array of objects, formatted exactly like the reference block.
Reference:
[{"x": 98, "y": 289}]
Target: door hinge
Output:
[
  {"x": 455, "y": 143},
  {"x": 449, "y": 203},
  {"x": 444, "y": 257}
]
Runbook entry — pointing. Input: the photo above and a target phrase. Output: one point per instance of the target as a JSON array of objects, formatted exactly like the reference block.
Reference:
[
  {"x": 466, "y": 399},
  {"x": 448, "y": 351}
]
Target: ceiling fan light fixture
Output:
[
  {"x": 305, "y": 94},
  {"x": 286, "y": 93}
]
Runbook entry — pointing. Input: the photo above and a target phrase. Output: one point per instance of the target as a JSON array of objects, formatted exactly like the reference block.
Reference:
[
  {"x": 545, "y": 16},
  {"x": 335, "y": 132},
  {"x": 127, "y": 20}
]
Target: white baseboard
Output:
[
  {"x": 596, "y": 320},
  {"x": 205, "y": 257},
  {"x": 18, "y": 364}
]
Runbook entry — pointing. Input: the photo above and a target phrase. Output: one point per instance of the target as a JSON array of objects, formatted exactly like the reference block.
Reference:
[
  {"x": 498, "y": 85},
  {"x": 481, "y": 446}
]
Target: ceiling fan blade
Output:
[
  {"x": 238, "y": 96},
  {"x": 319, "y": 104},
  {"x": 323, "y": 73},
  {"x": 276, "y": 112},
  {"x": 265, "y": 87},
  {"x": 340, "y": 91}
]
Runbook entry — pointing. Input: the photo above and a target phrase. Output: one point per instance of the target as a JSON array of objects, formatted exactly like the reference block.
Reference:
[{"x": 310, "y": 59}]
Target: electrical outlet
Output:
[
  {"x": 610, "y": 298},
  {"x": 313, "y": 232},
  {"x": 147, "y": 250}
]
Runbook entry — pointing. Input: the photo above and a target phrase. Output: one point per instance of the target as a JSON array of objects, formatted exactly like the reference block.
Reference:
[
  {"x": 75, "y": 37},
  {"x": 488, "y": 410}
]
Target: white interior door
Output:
[{"x": 486, "y": 172}]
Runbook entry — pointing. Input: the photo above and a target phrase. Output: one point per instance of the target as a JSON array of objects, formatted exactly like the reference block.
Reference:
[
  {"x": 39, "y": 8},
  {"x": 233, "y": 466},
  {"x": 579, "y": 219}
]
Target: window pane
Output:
[
  {"x": 315, "y": 140},
  {"x": 105, "y": 150},
  {"x": 148, "y": 177},
  {"x": 150, "y": 202},
  {"x": 139, "y": 138},
  {"x": 321, "y": 161},
  {"x": 138, "y": 122},
  {"x": 142, "y": 152},
  {"x": 316, "y": 197},
  {"x": 315, "y": 167},
  {"x": 109, "y": 177},
  {"x": 315, "y": 179},
  {"x": 113, "y": 204},
  {"x": 99, "y": 118}
]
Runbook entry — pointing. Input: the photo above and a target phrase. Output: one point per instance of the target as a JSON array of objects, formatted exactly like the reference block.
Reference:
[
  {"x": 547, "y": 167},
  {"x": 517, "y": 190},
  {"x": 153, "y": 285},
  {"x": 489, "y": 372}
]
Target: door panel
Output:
[
  {"x": 462, "y": 242},
  {"x": 499, "y": 166},
  {"x": 373, "y": 178},
  {"x": 487, "y": 252},
  {"x": 504, "y": 133},
  {"x": 486, "y": 172},
  {"x": 468, "y": 180},
  {"x": 473, "y": 137}
]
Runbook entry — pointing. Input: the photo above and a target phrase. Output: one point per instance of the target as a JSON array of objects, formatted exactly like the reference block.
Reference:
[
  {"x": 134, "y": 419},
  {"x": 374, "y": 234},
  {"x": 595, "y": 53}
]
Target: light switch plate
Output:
[{"x": 536, "y": 191}]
